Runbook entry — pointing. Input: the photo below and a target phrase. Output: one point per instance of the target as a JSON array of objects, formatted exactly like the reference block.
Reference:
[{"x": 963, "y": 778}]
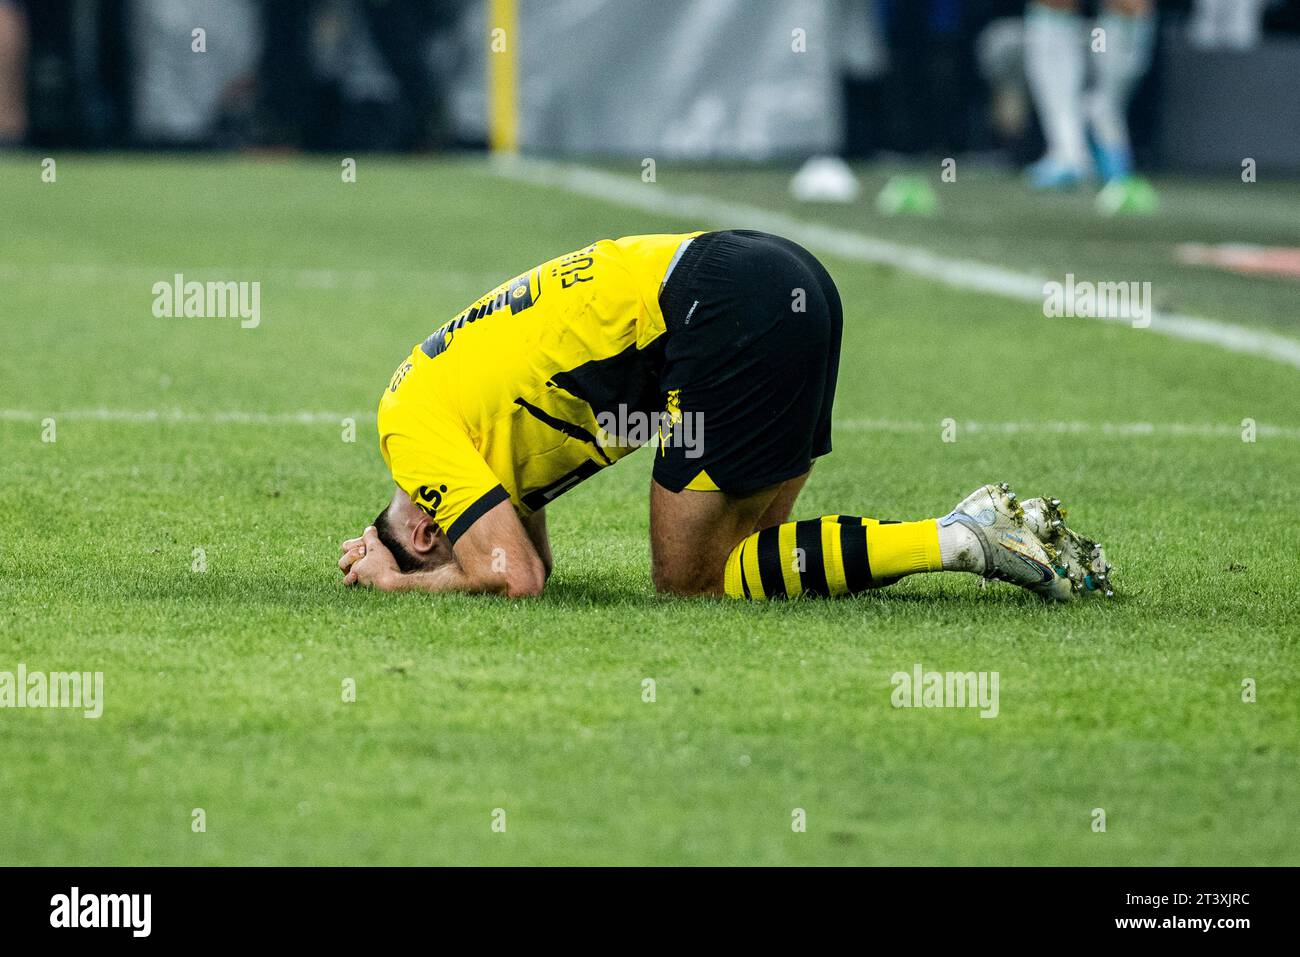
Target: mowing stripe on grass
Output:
[
  {"x": 846, "y": 244},
  {"x": 147, "y": 416},
  {"x": 322, "y": 278},
  {"x": 313, "y": 418}
]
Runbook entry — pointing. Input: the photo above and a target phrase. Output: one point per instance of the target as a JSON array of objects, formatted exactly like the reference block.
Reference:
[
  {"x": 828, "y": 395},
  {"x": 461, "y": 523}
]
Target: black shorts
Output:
[{"x": 751, "y": 355}]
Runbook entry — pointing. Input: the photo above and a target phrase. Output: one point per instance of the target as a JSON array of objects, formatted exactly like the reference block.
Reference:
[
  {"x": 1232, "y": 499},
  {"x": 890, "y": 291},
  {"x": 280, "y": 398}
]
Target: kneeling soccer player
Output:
[{"x": 721, "y": 347}]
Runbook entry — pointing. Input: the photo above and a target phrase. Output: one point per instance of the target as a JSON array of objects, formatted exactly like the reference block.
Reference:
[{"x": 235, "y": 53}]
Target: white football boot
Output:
[
  {"x": 1084, "y": 560},
  {"x": 1012, "y": 551}
]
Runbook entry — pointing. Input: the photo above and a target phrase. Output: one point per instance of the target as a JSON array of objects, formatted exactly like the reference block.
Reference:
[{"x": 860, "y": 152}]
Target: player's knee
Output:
[
  {"x": 669, "y": 584},
  {"x": 665, "y": 583},
  {"x": 686, "y": 581}
]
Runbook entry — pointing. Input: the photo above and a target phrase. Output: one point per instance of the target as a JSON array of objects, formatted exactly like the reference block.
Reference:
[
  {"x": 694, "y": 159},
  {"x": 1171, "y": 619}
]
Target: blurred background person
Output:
[
  {"x": 76, "y": 73},
  {"x": 352, "y": 75},
  {"x": 1085, "y": 125},
  {"x": 835, "y": 80}
]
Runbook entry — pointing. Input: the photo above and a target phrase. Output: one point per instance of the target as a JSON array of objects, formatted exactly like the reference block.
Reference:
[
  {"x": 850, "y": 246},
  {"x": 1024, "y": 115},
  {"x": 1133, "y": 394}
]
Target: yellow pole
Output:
[{"x": 503, "y": 77}]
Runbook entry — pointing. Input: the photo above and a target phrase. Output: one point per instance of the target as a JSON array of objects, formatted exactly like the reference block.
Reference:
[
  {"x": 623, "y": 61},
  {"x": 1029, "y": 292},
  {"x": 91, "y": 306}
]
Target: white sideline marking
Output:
[
  {"x": 959, "y": 273},
  {"x": 1057, "y": 427}
]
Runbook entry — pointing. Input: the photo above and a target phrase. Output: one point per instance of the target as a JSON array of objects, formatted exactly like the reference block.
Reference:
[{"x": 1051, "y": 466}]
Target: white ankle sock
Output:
[
  {"x": 1054, "y": 66},
  {"x": 960, "y": 550},
  {"x": 1118, "y": 69}
]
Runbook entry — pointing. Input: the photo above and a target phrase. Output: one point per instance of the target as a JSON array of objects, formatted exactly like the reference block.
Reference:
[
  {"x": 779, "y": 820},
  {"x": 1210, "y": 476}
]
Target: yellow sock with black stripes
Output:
[{"x": 829, "y": 556}]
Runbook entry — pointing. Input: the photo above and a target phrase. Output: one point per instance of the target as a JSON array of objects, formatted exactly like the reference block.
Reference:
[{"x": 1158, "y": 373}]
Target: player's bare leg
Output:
[
  {"x": 778, "y": 513},
  {"x": 692, "y": 533}
]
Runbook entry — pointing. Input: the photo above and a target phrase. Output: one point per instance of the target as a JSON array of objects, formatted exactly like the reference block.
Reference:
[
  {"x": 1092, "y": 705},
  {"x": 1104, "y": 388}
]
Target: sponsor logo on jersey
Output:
[
  {"x": 517, "y": 295},
  {"x": 427, "y": 499}
]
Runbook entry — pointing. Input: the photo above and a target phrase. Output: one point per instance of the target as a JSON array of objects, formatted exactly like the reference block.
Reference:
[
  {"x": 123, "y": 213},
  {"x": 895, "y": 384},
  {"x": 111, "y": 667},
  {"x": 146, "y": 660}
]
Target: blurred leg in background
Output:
[
  {"x": 1228, "y": 24},
  {"x": 1130, "y": 35},
  {"x": 1000, "y": 54},
  {"x": 13, "y": 73},
  {"x": 1056, "y": 69}
]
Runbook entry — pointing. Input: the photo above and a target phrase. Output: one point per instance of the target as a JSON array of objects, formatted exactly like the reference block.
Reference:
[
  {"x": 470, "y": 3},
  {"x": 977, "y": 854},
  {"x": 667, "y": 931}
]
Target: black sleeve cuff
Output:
[{"x": 472, "y": 514}]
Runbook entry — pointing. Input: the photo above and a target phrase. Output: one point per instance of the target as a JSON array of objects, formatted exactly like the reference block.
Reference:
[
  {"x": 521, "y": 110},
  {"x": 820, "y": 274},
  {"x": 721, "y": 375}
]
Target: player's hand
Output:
[
  {"x": 353, "y": 550},
  {"x": 371, "y": 564}
]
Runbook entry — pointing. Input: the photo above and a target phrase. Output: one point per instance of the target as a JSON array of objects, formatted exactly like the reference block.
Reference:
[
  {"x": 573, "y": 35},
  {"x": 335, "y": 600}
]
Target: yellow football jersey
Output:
[{"x": 519, "y": 395}]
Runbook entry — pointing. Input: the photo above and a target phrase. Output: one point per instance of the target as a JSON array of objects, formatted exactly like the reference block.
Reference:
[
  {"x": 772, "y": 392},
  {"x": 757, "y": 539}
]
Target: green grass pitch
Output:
[{"x": 223, "y": 686}]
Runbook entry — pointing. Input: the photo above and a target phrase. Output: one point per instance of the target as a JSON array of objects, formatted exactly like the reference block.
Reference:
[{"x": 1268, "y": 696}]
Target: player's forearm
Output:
[
  {"x": 452, "y": 578},
  {"x": 445, "y": 578}
]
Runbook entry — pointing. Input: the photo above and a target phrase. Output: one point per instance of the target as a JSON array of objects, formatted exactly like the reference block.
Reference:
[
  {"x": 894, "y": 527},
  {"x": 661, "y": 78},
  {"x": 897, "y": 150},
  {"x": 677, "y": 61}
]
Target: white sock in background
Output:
[
  {"x": 1054, "y": 66},
  {"x": 1126, "y": 58},
  {"x": 1227, "y": 24}
]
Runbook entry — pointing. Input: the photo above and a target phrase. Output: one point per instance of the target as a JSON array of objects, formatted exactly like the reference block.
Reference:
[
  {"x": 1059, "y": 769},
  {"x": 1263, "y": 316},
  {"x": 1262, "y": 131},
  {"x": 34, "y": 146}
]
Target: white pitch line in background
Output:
[
  {"x": 314, "y": 418},
  {"x": 959, "y": 273},
  {"x": 1060, "y": 427}
]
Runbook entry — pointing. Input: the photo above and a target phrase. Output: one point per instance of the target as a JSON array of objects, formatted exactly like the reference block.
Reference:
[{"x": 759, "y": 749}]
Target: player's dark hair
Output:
[{"x": 384, "y": 526}]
